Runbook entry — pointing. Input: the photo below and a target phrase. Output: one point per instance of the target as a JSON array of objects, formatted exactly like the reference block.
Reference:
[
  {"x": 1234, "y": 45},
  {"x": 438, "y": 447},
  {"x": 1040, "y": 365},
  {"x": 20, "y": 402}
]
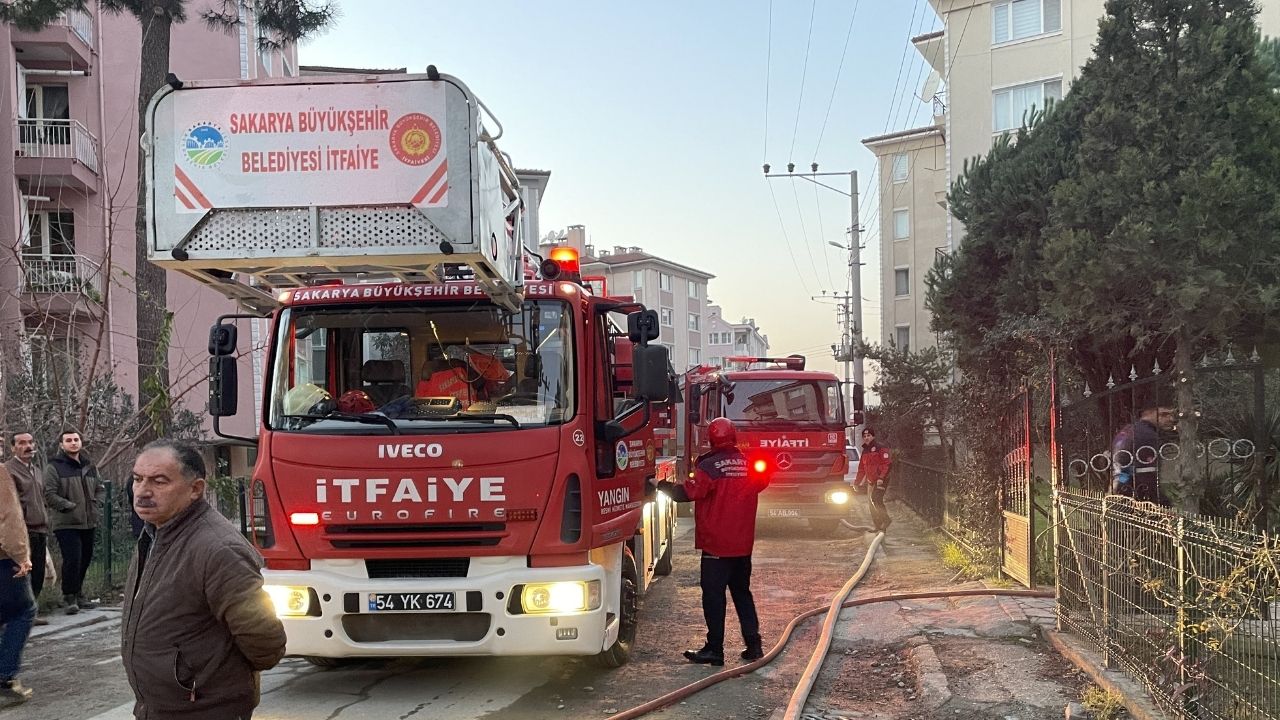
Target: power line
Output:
[
  {"x": 805, "y": 231},
  {"x": 897, "y": 82},
  {"x": 786, "y": 239},
  {"x": 835, "y": 85},
  {"x": 768, "y": 72},
  {"x": 826, "y": 257},
  {"x": 804, "y": 72}
]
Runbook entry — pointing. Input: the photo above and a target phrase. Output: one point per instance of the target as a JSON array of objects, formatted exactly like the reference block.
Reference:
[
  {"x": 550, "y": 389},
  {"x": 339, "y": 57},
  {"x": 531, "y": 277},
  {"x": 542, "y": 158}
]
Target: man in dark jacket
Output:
[
  {"x": 197, "y": 627},
  {"x": 75, "y": 495},
  {"x": 31, "y": 495},
  {"x": 1135, "y": 455},
  {"x": 725, "y": 495},
  {"x": 873, "y": 472}
]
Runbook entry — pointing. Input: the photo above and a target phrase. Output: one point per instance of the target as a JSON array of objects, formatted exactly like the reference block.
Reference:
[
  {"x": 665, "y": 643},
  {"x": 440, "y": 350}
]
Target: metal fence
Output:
[
  {"x": 922, "y": 488},
  {"x": 1185, "y": 604}
]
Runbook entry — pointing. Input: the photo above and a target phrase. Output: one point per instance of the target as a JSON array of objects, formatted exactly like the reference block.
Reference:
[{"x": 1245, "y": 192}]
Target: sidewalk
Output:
[
  {"x": 62, "y": 624},
  {"x": 963, "y": 657}
]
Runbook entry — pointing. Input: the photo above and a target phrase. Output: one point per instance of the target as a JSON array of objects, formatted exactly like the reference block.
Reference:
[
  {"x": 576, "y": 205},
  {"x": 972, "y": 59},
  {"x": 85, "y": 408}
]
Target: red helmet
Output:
[
  {"x": 355, "y": 401},
  {"x": 722, "y": 433}
]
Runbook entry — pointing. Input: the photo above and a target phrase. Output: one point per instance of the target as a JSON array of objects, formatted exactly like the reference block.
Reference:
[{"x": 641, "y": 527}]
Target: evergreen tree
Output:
[{"x": 36, "y": 14}]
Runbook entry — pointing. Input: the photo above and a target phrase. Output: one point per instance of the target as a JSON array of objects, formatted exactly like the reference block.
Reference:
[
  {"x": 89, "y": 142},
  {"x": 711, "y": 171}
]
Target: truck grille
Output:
[
  {"x": 368, "y": 537},
  {"x": 399, "y": 627},
  {"x": 418, "y": 568}
]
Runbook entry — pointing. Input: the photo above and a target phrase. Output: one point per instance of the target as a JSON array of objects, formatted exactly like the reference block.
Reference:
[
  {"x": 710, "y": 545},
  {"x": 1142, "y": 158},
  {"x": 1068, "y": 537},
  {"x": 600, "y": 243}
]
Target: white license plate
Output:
[
  {"x": 784, "y": 512},
  {"x": 410, "y": 602}
]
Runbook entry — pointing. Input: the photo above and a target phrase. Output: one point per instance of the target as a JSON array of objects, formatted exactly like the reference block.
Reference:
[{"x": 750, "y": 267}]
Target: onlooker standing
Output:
[
  {"x": 75, "y": 494},
  {"x": 17, "y": 606},
  {"x": 873, "y": 471},
  {"x": 31, "y": 495},
  {"x": 725, "y": 499},
  {"x": 1135, "y": 454},
  {"x": 198, "y": 627}
]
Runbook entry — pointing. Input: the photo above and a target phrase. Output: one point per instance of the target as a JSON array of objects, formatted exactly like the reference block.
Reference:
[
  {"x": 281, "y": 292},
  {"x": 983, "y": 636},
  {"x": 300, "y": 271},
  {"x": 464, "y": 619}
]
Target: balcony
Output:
[
  {"x": 61, "y": 284},
  {"x": 66, "y": 41},
  {"x": 56, "y": 153}
]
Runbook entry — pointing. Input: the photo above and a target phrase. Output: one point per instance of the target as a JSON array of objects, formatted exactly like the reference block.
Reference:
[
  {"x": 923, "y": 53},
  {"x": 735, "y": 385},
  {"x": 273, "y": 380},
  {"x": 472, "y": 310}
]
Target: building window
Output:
[
  {"x": 1012, "y": 106},
  {"x": 695, "y": 356},
  {"x": 716, "y": 361},
  {"x": 667, "y": 318},
  {"x": 902, "y": 337},
  {"x": 693, "y": 290},
  {"x": 664, "y": 282},
  {"x": 900, "y": 168},
  {"x": 694, "y": 321},
  {"x": 639, "y": 281},
  {"x": 51, "y": 234},
  {"x": 264, "y": 51},
  {"x": 1018, "y": 19},
  {"x": 901, "y": 282},
  {"x": 901, "y": 224}
]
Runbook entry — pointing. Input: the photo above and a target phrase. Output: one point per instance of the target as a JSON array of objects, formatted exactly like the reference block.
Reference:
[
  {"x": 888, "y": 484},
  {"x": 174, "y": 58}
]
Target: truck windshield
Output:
[
  {"x": 413, "y": 368},
  {"x": 784, "y": 402}
]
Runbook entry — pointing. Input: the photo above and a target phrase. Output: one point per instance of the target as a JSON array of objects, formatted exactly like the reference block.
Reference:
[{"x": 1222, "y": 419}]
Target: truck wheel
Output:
[
  {"x": 825, "y": 526},
  {"x": 663, "y": 566},
  {"x": 620, "y": 652},
  {"x": 325, "y": 662}
]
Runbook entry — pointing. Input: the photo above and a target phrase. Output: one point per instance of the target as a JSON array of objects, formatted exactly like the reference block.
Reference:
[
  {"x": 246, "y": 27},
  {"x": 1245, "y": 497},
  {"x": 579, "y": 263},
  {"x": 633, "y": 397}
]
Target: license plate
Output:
[
  {"x": 784, "y": 512},
  {"x": 410, "y": 602}
]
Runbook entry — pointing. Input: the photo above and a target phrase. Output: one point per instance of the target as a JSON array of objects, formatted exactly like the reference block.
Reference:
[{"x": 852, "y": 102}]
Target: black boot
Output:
[
  {"x": 706, "y": 656},
  {"x": 755, "y": 649},
  {"x": 85, "y": 603},
  {"x": 70, "y": 601}
]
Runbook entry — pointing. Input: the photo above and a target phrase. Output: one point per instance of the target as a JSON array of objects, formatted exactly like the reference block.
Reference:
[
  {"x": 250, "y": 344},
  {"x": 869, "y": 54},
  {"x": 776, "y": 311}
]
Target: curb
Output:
[
  {"x": 92, "y": 618},
  {"x": 1132, "y": 693}
]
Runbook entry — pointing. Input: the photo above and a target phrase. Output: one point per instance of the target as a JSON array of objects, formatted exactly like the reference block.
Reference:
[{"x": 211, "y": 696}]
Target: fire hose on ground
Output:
[{"x": 801, "y": 694}]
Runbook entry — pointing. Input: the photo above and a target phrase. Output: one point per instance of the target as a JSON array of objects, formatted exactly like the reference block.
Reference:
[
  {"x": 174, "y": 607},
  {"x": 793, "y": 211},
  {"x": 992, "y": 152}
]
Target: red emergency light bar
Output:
[{"x": 793, "y": 362}]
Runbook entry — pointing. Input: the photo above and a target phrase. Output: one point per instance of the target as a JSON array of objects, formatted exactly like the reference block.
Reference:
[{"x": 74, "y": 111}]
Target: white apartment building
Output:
[
  {"x": 729, "y": 339},
  {"x": 995, "y": 60}
]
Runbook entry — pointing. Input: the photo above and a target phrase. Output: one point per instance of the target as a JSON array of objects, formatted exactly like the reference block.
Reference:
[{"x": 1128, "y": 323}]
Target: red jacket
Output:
[
  {"x": 724, "y": 495},
  {"x": 873, "y": 466}
]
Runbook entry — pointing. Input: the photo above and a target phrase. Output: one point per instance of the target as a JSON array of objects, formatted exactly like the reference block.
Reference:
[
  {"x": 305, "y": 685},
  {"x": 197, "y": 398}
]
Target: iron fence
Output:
[
  {"x": 922, "y": 488},
  {"x": 1185, "y": 604}
]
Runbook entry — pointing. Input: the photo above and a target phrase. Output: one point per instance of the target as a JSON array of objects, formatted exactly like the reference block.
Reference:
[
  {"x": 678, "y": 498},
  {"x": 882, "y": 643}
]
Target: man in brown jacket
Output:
[
  {"x": 31, "y": 494},
  {"x": 198, "y": 627},
  {"x": 17, "y": 607}
]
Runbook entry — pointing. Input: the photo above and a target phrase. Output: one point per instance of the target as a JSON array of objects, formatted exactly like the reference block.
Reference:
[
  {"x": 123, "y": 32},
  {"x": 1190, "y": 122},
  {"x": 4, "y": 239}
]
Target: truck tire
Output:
[
  {"x": 663, "y": 566},
  {"x": 324, "y": 662},
  {"x": 629, "y": 608}
]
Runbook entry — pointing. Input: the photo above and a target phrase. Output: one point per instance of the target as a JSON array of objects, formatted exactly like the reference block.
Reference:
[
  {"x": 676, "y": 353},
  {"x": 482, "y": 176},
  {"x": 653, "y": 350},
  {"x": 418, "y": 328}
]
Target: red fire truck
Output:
[
  {"x": 791, "y": 423},
  {"x": 453, "y": 457}
]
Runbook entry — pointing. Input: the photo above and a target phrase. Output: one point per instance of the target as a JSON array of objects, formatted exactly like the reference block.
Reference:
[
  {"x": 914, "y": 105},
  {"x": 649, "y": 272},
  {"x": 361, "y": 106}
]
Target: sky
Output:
[{"x": 654, "y": 119}]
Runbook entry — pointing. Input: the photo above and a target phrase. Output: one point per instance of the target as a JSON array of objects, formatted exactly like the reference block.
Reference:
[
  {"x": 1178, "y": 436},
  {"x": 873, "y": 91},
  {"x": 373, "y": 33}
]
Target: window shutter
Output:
[
  {"x": 999, "y": 23},
  {"x": 1052, "y": 15},
  {"x": 1026, "y": 18}
]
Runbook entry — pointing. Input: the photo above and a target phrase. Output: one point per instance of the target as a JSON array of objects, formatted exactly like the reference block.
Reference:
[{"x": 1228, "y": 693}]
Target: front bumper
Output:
[
  {"x": 480, "y": 624},
  {"x": 805, "y": 500}
]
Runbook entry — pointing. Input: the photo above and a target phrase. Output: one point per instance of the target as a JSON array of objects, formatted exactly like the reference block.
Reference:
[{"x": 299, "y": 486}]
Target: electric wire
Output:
[
  {"x": 836, "y": 85},
  {"x": 804, "y": 72},
  {"x": 804, "y": 230},
  {"x": 768, "y": 72},
  {"x": 782, "y": 226}
]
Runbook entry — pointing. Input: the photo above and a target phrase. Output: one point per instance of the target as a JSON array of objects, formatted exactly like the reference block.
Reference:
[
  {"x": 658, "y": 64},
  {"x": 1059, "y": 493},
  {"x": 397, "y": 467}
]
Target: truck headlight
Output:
[
  {"x": 560, "y": 597},
  {"x": 290, "y": 600},
  {"x": 838, "y": 497}
]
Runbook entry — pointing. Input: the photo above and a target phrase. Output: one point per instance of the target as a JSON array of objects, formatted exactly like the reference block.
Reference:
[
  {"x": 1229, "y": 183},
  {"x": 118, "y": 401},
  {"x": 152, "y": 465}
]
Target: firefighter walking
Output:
[
  {"x": 873, "y": 473},
  {"x": 725, "y": 498}
]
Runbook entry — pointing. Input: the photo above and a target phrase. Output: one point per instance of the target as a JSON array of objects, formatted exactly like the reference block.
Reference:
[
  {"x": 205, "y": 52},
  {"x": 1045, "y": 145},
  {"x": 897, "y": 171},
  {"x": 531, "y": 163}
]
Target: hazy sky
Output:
[{"x": 652, "y": 117}]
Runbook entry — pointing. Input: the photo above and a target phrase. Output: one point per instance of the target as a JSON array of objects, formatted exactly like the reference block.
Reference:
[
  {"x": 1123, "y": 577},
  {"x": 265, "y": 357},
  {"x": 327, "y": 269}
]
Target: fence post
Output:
[
  {"x": 1260, "y": 442},
  {"x": 1057, "y": 567},
  {"x": 1106, "y": 588},
  {"x": 108, "y": 551},
  {"x": 1181, "y": 616}
]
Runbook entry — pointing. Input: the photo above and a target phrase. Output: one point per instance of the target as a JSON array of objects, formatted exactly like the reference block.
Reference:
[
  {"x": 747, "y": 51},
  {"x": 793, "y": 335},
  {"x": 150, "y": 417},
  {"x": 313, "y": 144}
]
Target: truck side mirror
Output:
[
  {"x": 223, "y": 381},
  {"x": 642, "y": 326},
  {"x": 859, "y": 397},
  {"x": 222, "y": 339},
  {"x": 649, "y": 371},
  {"x": 857, "y": 418}
]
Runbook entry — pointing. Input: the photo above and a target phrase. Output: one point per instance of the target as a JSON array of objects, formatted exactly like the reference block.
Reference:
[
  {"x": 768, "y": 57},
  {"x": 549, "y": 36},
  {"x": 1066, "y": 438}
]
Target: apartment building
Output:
[
  {"x": 994, "y": 61},
  {"x": 68, "y": 163},
  {"x": 727, "y": 339}
]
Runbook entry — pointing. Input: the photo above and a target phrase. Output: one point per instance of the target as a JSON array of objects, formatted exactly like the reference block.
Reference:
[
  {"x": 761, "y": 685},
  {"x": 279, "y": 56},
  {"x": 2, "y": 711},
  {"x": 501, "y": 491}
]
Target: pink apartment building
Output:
[{"x": 68, "y": 181}]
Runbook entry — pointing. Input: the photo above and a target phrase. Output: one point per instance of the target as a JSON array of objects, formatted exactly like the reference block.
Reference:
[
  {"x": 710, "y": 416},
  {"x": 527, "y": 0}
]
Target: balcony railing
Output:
[
  {"x": 62, "y": 274},
  {"x": 46, "y": 138},
  {"x": 80, "y": 22}
]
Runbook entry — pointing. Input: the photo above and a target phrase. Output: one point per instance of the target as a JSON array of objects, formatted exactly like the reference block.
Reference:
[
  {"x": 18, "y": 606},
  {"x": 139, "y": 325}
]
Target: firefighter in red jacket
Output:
[
  {"x": 873, "y": 471},
  {"x": 724, "y": 492}
]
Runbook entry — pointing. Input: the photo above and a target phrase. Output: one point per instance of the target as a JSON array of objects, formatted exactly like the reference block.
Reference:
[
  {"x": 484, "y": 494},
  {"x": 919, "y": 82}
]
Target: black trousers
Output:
[
  {"x": 879, "y": 513},
  {"x": 734, "y": 574},
  {"x": 77, "y": 553},
  {"x": 38, "y": 541}
]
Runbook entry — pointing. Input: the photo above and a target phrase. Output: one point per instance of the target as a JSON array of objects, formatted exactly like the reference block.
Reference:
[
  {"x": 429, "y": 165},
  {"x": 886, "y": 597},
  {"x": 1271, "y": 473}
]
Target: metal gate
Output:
[{"x": 1016, "y": 548}]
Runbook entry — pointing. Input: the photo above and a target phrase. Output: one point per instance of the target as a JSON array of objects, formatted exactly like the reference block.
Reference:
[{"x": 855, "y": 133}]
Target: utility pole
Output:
[{"x": 851, "y": 303}]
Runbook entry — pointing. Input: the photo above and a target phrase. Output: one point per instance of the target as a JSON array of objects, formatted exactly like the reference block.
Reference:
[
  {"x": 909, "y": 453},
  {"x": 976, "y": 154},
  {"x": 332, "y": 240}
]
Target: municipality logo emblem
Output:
[{"x": 205, "y": 145}]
